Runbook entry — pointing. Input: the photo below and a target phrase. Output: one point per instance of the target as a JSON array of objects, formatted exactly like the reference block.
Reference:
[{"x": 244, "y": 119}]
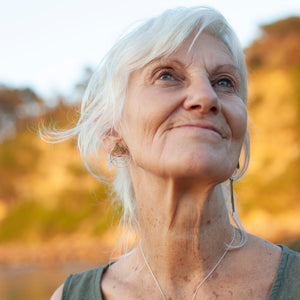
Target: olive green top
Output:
[{"x": 286, "y": 286}]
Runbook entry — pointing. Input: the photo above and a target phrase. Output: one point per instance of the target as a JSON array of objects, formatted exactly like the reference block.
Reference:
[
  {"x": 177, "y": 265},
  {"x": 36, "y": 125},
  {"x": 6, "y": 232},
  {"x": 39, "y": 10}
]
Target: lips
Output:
[{"x": 203, "y": 125}]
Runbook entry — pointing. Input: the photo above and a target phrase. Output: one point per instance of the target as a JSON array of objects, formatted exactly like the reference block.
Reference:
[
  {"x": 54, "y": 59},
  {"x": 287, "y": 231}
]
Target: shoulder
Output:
[{"x": 84, "y": 285}]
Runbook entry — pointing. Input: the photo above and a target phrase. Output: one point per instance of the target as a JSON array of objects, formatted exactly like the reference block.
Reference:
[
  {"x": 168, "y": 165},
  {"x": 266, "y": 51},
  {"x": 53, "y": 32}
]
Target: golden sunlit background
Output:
[{"x": 55, "y": 218}]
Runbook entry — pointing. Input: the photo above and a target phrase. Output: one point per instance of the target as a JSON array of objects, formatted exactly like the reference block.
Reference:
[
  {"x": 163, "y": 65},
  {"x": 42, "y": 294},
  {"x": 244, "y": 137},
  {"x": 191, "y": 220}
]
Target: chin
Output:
[{"x": 205, "y": 168}]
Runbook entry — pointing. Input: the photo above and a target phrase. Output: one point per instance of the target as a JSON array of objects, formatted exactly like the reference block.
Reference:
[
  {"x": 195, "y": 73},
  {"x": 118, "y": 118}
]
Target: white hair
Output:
[{"x": 103, "y": 100}]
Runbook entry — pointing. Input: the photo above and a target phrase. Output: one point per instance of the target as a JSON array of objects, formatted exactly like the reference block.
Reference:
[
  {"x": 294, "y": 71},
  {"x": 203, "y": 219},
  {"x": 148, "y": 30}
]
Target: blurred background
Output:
[{"x": 55, "y": 218}]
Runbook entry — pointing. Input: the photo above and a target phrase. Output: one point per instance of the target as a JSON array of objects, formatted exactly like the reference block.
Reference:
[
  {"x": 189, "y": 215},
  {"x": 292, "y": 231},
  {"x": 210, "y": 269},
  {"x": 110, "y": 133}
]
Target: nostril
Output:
[{"x": 214, "y": 109}]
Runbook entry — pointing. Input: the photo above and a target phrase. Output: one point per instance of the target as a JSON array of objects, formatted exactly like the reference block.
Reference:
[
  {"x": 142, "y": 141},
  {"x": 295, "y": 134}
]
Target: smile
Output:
[{"x": 201, "y": 125}]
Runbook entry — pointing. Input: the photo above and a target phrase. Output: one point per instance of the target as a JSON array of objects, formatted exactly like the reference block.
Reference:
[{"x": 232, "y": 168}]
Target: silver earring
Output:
[
  {"x": 231, "y": 190},
  {"x": 118, "y": 151},
  {"x": 231, "y": 194}
]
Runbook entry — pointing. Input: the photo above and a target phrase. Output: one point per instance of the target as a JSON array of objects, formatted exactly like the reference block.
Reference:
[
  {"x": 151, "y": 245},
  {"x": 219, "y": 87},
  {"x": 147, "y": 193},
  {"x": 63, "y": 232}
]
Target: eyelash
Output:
[
  {"x": 169, "y": 71},
  {"x": 166, "y": 71},
  {"x": 229, "y": 81},
  {"x": 165, "y": 74}
]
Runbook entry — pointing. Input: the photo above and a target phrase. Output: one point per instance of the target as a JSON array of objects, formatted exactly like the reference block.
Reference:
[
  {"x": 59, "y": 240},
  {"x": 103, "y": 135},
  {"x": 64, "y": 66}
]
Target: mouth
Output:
[{"x": 202, "y": 125}]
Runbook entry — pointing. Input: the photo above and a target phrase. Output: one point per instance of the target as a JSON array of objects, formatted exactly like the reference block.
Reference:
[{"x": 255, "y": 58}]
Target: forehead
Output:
[
  {"x": 205, "y": 49},
  {"x": 204, "y": 44}
]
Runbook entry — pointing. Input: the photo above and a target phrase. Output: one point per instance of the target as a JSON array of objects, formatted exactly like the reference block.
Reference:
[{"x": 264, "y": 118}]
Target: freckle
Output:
[
  {"x": 215, "y": 275},
  {"x": 185, "y": 278},
  {"x": 230, "y": 292},
  {"x": 208, "y": 222},
  {"x": 114, "y": 286},
  {"x": 216, "y": 295}
]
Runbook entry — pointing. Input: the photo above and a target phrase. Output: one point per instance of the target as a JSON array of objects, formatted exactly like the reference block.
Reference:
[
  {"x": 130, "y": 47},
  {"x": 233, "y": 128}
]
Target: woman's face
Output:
[{"x": 183, "y": 116}]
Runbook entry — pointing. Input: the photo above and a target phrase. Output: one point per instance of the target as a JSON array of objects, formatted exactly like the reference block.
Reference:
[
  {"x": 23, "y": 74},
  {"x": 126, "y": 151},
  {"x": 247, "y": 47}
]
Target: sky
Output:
[{"x": 46, "y": 44}]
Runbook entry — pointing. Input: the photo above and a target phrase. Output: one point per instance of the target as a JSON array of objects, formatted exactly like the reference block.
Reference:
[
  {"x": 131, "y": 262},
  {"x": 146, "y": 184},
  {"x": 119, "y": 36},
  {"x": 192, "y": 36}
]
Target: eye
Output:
[
  {"x": 166, "y": 76},
  {"x": 225, "y": 82}
]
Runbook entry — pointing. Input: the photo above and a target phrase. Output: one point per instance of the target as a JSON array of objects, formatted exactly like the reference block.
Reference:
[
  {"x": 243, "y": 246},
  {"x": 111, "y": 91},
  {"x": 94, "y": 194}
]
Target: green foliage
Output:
[
  {"x": 23, "y": 220},
  {"x": 18, "y": 155},
  {"x": 74, "y": 205},
  {"x": 31, "y": 220}
]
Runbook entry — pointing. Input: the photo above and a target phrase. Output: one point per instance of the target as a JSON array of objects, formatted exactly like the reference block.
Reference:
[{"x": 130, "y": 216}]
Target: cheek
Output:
[
  {"x": 139, "y": 124},
  {"x": 129, "y": 130},
  {"x": 236, "y": 116},
  {"x": 144, "y": 115}
]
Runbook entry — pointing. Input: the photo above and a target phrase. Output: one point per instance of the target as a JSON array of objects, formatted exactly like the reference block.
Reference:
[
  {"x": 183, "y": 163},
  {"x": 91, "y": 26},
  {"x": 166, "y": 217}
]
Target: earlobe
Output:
[
  {"x": 109, "y": 143},
  {"x": 114, "y": 145},
  {"x": 117, "y": 150}
]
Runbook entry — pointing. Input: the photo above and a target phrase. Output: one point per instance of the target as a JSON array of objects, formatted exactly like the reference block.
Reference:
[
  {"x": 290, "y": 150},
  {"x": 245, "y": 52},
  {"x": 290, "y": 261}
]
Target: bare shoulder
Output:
[
  {"x": 264, "y": 249},
  {"x": 258, "y": 257},
  {"x": 125, "y": 273},
  {"x": 256, "y": 262},
  {"x": 57, "y": 295}
]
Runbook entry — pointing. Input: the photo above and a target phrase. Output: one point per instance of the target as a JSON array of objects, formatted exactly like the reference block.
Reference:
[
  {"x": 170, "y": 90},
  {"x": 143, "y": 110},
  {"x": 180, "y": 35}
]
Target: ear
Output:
[{"x": 110, "y": 141}]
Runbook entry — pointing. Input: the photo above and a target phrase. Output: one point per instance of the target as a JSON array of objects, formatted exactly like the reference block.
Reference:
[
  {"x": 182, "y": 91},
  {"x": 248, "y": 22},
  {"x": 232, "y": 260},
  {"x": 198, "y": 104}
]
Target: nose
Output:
[{"x": 202, "y": 97}]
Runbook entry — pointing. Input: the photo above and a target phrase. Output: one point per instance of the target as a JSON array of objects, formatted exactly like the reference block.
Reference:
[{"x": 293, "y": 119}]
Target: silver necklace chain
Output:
[{"x": 201, "y": 282}]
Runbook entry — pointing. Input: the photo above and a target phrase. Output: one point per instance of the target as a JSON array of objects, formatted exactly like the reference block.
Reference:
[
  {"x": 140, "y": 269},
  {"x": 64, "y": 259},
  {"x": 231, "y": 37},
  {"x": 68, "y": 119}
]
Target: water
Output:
[{"x": 35, "y": 283}]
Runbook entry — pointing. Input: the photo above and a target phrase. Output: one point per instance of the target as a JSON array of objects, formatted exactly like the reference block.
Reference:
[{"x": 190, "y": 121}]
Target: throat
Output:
[
  {"x": 186, "y": 225},
  {"x": 198, "y": 281},
  {"x": 184, "y": 233}
]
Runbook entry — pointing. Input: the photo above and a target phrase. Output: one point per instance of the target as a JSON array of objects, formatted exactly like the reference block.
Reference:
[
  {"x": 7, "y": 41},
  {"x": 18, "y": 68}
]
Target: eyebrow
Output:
[
  {"x": 225, "y": 67},
  {"x": 164, "y": 60},
  {"x": 155, "y": 63}
]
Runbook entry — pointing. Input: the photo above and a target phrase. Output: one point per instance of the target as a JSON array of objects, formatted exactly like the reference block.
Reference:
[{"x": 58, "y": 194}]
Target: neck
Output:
[{"x": 184, "y": 229}]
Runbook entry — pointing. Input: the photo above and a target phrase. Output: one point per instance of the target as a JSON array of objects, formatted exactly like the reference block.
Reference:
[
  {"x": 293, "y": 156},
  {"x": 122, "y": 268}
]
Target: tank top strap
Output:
[
  {"x": 85, "y": 285},
  {"x": 287, "y": 281}
]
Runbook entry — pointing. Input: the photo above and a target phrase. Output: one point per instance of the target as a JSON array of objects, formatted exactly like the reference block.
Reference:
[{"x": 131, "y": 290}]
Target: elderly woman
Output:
[{"x": 168, "y": 104}]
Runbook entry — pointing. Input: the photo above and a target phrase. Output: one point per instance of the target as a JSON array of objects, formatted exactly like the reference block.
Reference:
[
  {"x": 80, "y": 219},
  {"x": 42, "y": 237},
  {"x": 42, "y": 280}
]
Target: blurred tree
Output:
[
  {"x": 17, "y": 108},
  {"x": 272, "y": 201},
  {"x": 83, "y": 81},
  {"x": 278, "y": 45},
  {"x": 49, "y": 182},
  {"x": 81, "y": 85}
]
